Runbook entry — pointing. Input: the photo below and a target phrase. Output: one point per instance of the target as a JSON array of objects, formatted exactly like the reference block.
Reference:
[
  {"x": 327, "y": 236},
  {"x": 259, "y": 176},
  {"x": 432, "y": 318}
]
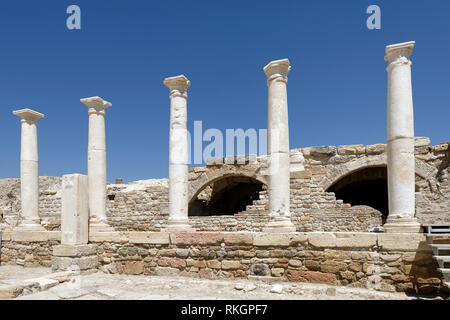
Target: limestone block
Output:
[
  {"x": 238, "y": 238},
  {"x": 323, "y": 151},
  {"x": 351, "y": 149},
  {"x": 167, "y": 271},
  {"x": 402, "y": 241},
  {"x": 356, "y": 240},
  {"x": 74, "y": 209},
  {"x": 10, "y": 291},
  {"x": 75, "y": 250},
  {"x": 441, "y": 147},
  {"x": 35, "y": 236},
  {"x": 322, "y": 240},
  {"x": 227, "y": 265},
  {"x": 421, "y": 141},
  {"x": 376, "y": 148},
  {"x": 67, "y": 263},
  {"x": 311, "y": 276},
  {"x": 133, "y": 267},
  {"x": 272, "y": 239},
  {"x": 41, "y": 283},
  {"x": 148, "y": 237},
  {"x": 199, "y": 238}
]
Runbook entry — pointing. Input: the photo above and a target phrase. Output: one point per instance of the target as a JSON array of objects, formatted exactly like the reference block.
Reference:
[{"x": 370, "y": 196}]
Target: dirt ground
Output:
[{"x": 101, "y": 286}]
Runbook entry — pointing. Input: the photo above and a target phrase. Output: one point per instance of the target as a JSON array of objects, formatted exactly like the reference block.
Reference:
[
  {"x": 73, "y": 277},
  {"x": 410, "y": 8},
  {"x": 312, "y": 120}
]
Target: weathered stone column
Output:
[
  {"x": 97, "y": 164},
  {"x": 29, "y": 171},
  {"x": 278, "y": 147},
  {"x": 178, "y": 154},
  {"x": 400, "y": 141}
]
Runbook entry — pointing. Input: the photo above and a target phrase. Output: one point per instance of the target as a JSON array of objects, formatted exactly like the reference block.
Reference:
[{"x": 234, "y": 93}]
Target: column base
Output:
[
  {"x": 178, "y": 226},
  {"x": 279, "y": 225},
  {"x": 401, "y": 225},
  {"x": 30, "y": 225},
  {"x": 96, "y": 226}
]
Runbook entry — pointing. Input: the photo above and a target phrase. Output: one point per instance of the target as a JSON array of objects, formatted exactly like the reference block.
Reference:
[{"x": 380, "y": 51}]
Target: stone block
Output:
[
  {"x": 228, "y": 264},
  {"x": 196, "y": 238},
  {"x": 214, "y": 264},
  {"x": 74, "y": 209},
  {"x": 167, "y": 271},
  {"x": 322, "y": 240},
  {"x": 73, "y": 263},
  {"x": 322, "y": 151},
  {"x": 148, "y": 237},
  {"x": 311, "y": 276},
  {"x": 272, "y": 239},
  {"x": 402, "y": 241},
  {"x": 238, "y": 238},
  {"x": 277, "y": 272},
  {"x": 35, "y": 236},
  {"x": 351, "y": 149},
  {"x": 260, "y": 269},
  {"x": 75, "y": 250},
  {"x": 375, "y": 148},
  {"x": 355, "y": 240},
  {"x": 10, "y": 291},
  {"x": 133, "y": 267}
]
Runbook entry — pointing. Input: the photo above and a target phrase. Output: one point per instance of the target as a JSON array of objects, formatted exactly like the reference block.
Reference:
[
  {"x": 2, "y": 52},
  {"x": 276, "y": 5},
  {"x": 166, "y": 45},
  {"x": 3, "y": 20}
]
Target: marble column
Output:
[
  {"x": 178, "y": 154},
  {"x": 278, "y": 148},
  {"x": 97, "y": 164},
  {"x": 400, "y": 141},
  {"x": 29, "y": 171}
]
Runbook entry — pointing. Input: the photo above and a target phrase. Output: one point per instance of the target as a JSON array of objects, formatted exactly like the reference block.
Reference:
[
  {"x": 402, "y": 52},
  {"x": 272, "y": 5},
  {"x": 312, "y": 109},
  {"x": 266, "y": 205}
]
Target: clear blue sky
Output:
[{"x": 336, "y": 90}]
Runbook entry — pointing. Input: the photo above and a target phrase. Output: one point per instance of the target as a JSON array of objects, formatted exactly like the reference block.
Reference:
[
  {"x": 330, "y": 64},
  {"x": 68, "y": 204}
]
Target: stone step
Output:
[
  {"x": 436, "y": 229},
  {"x": 444, "y": 270},
  {"x": 439, "y": 247},
  {"x": 442, "y": 260}
]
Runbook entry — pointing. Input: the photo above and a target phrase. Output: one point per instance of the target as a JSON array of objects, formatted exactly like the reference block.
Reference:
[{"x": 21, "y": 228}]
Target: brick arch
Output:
[
  {"x": 423, "y": 169},
  {"x": 216, "y": 173}
]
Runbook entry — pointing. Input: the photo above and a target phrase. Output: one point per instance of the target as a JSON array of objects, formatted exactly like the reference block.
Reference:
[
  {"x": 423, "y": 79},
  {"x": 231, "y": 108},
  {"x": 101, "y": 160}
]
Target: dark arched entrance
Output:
[
  {"x": 367, "y": 186},
  {"x": 226, "y": 196}
]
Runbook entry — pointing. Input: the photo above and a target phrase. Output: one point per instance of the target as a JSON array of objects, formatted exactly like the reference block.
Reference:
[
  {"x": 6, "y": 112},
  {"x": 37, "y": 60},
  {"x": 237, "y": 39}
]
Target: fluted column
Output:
[
  {"x": 178, "y": 154},
  {"x": 400, "y": 141},
  {"x": 97, "y": 164},
  {"x": 29, "y": 170},
  {"x": 278, "y": 147}
]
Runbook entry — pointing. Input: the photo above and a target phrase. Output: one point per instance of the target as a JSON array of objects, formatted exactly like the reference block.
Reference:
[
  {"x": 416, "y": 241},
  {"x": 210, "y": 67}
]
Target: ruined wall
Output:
[
  {"x": 49, "y": 202},
  {"x": 143, "y": 205},
  {"x": 385, "y": 262}
]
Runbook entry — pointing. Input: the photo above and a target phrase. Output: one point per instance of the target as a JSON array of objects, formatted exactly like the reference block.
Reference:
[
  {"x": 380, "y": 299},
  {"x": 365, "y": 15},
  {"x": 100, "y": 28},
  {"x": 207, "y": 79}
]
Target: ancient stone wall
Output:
[
  {"x": 49, "y": 202},
  {"x": 143, "y": 205},
  {"x": 385, "y": 262}
]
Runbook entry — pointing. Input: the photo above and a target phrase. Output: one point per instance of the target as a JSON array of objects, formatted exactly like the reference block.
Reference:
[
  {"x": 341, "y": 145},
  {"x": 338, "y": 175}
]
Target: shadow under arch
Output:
[
  {"x": 365, "y": 186},
  {"x": 226, "y": 195}
]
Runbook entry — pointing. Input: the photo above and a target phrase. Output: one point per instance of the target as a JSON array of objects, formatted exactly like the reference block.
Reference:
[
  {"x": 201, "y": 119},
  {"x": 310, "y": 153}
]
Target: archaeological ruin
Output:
[{"x": 371, "y": 216}]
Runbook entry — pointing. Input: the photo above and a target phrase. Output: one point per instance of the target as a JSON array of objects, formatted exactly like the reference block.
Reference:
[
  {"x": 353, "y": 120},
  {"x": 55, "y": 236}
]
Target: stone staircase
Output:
[
  {"x": 258, "y": 207},
  {"x": 439, "y": 240}
]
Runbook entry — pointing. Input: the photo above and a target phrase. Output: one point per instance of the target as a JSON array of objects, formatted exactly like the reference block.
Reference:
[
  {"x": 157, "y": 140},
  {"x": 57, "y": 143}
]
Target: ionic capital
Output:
[
  {"x": 177, "y": 85},
  {"x": 399, "y": 53},
  {"x": 277, "y": 70}
]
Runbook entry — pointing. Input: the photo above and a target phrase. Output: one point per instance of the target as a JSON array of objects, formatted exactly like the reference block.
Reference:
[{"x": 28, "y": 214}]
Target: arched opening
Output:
[
  {"x": 226, "y": 196},
  {"x": 367, "y": 186}
]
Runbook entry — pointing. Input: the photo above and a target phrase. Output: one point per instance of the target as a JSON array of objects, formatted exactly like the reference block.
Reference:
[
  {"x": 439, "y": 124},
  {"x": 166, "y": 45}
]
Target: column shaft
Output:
[
  {"x": 400, "y": 144},
  {"x": 178, "y": 154},
  {"x": 97, "y": 164},
  {"x": 278, "y": 147},
  {"x": 29, "y": 170}
]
